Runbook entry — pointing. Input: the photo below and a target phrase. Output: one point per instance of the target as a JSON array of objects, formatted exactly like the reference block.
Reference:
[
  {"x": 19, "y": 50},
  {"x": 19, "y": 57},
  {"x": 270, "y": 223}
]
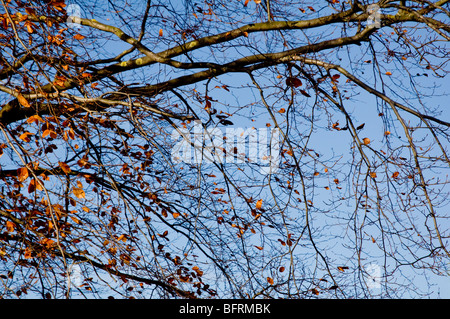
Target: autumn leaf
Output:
[
  {"x": 281, "y": 269},
  {"x": 79, "y": 193},
  {"x": 26, "y": 136},
  {"x": 335, "y": 77},
  {"x": 29, "y": 26},
  {"x": 388, "y": 73},
  {"x": 366, "y": 141},
  {"x": 49, "y": 132},
  {"x": 373, "y": 174},
  {"x": 342, "y": 268},
  {"x": 160, "y": 32},
  {"x": 66, "y": 168},
  {"x": 22, "y": 174},
  {"x": 10, "y": 226},
  {"x": 315, "y": 291},
  {"x": 270, "y": 280},
  {"x": 27, "y": 254},
  {"x": 305, "y": 93},
  {"x": 259, "y": 247},
  {"x": 387, "y": 133},
  {"x": 34, "y": 118},
  {"x": 281, "y": 111},
  {"x": 259, "y": 204},
  {"x": 23, "y": 101},
  {"x": 198, "y": 271},
  {"x": 78, "y": 37},
  {"x": 76, "y": 220},
  {"x": 395, "y": 175},
  {"x": 293, "y": 82}
]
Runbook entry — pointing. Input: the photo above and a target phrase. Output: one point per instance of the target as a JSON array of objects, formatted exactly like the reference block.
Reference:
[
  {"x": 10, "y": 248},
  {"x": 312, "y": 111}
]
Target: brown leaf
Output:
[
  {"x": 160, "y": 32},
  {"x": 395, "y": 175},
  {"x": 335, "y": 77},
  {"x": 315, "y": 291},
  {"x": 293, "y": 82},
  {"x": 270, "y": 280},
  {"x": 366, "y": 141},
  {"x": 305, "y": 93}
]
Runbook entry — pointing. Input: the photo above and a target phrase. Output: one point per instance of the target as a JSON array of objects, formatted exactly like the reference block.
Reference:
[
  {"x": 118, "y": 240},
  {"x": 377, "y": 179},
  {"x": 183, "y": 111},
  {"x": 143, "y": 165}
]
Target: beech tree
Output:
[{"x": 97, "y": 102}]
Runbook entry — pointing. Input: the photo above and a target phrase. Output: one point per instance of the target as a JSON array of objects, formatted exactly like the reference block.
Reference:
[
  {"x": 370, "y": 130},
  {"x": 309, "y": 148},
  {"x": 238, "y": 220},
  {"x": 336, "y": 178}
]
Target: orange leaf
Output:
[
  {"x": 281, "y": 111},
  {"x": 373, "y": 174},
  {"x": 395, "y": 175},
  {"x": 388, "y": 73},
  {"x": 25, "y": 136},
  {"x": 66, "y": 168},
  {"x": 22, "y": 174},
  {"x": 10, "y": 226},
  {"x": 34, "y": 118},
  {"x": 259, "y": 247},
  {"x": 79, "y": 193},
  {"x": 270, "y": 280},
  {"x": 22, "y": 100},
  {"x": 366, "y": 141},
  {"x": 160, "y": 32},
  {"x": 76, "y": 220},
  {"x": 259, "y": 204},
  {"x": 78, "y": 37}
]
